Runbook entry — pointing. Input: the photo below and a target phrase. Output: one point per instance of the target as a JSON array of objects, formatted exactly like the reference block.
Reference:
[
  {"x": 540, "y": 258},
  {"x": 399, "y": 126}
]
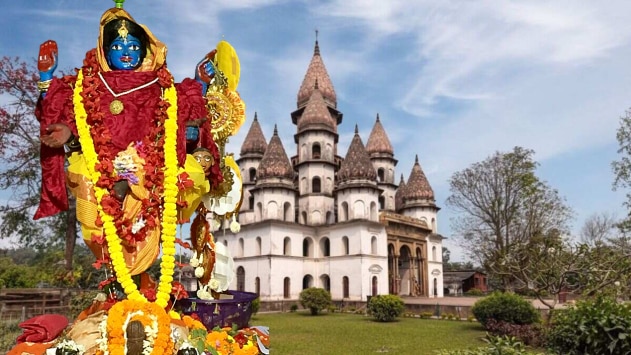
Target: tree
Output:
[
  {"x": 503, "y": 205},
  {"x": 622, "y": 167},
  {"x": 599, "y": 228},
  {"x": 446, "y": 255},
  {"x": 19, "y": 157}
]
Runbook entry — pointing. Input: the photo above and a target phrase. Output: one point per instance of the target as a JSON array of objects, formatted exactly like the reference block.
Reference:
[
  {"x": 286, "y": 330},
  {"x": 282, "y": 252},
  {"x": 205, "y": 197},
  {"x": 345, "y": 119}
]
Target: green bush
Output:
[
  {"x": 474, "y": 292},
  {"x": 315, "y": 299},
  {"x": 426, "y": 315},
  {"x": 385, "y": 308},
  {"x": 506, "y": 307},
  {"x": 600, "y": 326},
  {"x": 293, "y": 308},
  {"x": 256, "y": 306}
]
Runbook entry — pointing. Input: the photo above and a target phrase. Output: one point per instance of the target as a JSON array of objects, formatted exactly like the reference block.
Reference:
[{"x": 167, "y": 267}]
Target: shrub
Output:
[
  {"x": 530, "y": 334},
  {"x": 426, "y": 315},
  {"x": 293, "y": 308},
  {"x": 474, "y": 292},
  {"x": 256, "y": 306},
  {"x": 506, "y": 307},
  {"x": 600, "y": 326},
  {"x": 315, "y": 299},
  {"x": 385, "y": 308}
]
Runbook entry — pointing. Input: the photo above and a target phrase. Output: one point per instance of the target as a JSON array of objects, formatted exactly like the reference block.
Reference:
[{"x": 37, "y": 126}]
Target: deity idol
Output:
[{"x": 128, "y": 132}]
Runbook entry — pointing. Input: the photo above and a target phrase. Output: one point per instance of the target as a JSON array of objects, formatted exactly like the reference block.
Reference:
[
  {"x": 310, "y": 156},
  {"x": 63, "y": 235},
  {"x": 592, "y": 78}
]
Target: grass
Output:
[
  {"x": 338, "y": 333},
  {"x": 345, "y": 334}
]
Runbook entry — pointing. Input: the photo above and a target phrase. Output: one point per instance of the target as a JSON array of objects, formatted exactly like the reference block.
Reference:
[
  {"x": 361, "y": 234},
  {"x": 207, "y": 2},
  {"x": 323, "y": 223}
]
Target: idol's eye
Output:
[
  {"x": 134, "y": 47},
  {"x": 116, "y": 47}
]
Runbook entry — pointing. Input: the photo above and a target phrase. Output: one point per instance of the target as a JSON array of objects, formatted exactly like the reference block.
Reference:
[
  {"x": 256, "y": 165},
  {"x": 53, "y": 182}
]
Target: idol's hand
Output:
[
  {"x": 205, "y": 71},
  {"x": 192, "y": 129},
  {"x": 56, "y": 136},
  {"x": 47, "y": 60}
]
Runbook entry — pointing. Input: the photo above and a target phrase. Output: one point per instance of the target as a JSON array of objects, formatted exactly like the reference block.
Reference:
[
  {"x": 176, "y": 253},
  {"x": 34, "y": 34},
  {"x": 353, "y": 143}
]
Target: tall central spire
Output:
[{"x": 317, "y": 72}]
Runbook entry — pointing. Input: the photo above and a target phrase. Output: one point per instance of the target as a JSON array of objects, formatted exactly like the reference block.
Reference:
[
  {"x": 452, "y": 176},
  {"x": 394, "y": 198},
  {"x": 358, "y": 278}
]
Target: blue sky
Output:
[{"x": 452, "y": 81}]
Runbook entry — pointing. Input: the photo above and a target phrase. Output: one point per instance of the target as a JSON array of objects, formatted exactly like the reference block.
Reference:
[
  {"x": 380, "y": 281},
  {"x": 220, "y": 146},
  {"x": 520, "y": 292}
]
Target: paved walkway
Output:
[{"x": 459, "y": 301}]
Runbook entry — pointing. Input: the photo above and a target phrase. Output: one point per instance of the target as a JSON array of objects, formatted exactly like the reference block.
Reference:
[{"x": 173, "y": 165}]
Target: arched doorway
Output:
[
  {"x": 393, "y": 288},
  {"x": 240, "y": 278},
  {"x": 405, "y": 271}
]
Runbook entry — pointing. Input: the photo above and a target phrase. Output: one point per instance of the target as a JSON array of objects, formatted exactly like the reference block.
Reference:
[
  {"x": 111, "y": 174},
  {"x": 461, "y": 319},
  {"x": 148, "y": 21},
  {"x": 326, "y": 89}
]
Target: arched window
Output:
[
  {"x": 381, "y": 175},
  {"x": 344, "y": 212},
  {"x": 345, "y": 246},
  {"x": 434, "y": 225},
  {"x": 325, "y": 245},
  {"x": 307, "y": 281},
  {"x": 375, "y": 286},
  {"x": 307, "y": 245},
  {"x": 257, "y": 286},
  {"x": 241, "y": 247},
  {"x": 315, "y": 151},
  {"x": 286, "y": 287},
  {"x": 434, "y": 254},
  {"x": 316, "y": 185},
  {"x": 435, "y": 287},
  {"x": 259, "y": 212},
  {"x": 258, "y": 245},
  {"x": 345, "y": 287},
  {"x": 288, "y": 213},
  {"x": 382, "y": 202},
  {"x": 252, "y": 173},
  {"x": 373, "y": 245},
  {"x": 240, "y": 278},
  {"x": 287, "y": 246},
  {"x": 326, "y": 282},
  {"x": 251, "y": 202},
  {"x": 303, "y": 217}
]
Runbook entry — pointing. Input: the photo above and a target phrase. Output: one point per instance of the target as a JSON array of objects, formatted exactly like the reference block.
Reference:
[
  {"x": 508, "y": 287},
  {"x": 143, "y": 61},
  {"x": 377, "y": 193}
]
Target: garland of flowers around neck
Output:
[{"x": 169, "y": 211}]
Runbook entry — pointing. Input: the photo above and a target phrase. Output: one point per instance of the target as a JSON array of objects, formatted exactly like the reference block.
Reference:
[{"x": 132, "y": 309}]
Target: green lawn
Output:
[{"x": 349, "y": 334}]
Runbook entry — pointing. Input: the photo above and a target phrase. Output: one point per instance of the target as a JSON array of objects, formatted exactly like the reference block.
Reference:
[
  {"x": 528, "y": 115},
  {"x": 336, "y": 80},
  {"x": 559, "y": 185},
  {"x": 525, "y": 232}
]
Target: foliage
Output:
[
  {"x": 256, "y": 306},
  {"x": 599, "y": 326},
  {"x": 550, "y": 265},
  {"x": 26, "y": 267},
  {"x": 496, "y": 345},
  {"x": 503, "y": 205},
  {"x": 9, "y": 331},
  {"x": 21, "y": 173},
  {"x": 474, "y": 292},
  {"x": 315, "y": 299},
  {"x": 22, "y": 276},
  {"x": 506, "y": 307},
  {"x": 622, "y": 167},
  {"x": 293, "y": 308},
  {"x": 529, "y": 334},
  {"x": 386, "y": 308}
]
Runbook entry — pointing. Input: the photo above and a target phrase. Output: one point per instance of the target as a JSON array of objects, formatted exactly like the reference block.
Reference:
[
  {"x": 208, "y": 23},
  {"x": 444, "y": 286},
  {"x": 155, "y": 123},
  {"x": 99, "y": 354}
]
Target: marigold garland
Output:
[
  {"x": 151, "y": 315},
  {"x": 169, "y": 213}
]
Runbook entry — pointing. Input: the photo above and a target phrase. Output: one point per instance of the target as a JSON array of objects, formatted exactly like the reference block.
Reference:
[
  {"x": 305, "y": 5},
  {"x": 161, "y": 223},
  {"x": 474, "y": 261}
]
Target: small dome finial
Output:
[
  {"x": 377, "y": 116},
  {"x": 316, "y": 50},
  {"x": 356, "y": 129},
  {"x": 416, "y": 159},
  {"x": 118, "y": 4},
  {"x": 256, "y": 116},
  {"x": 275, "y": 129}
]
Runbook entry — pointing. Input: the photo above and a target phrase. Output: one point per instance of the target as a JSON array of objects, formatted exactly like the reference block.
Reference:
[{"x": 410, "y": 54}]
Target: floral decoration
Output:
[{"x": 160, "y": 181}]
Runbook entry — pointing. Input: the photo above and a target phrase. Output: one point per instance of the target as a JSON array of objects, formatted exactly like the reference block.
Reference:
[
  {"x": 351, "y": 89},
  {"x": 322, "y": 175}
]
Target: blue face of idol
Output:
[{"x": 124, "y": 53}]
